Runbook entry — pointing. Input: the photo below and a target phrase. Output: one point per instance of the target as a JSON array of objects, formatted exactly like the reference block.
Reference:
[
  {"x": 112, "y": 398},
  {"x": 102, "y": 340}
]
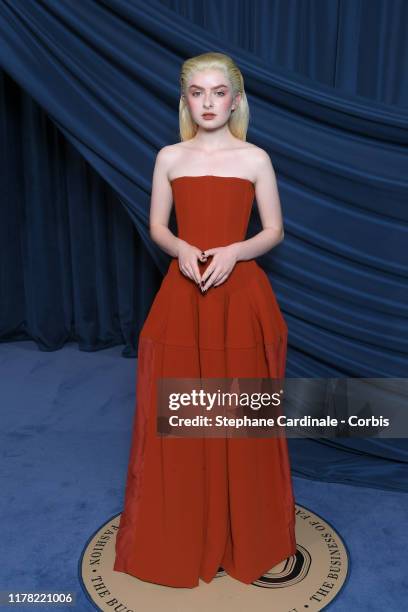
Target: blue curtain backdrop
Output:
[
  {"x": 73, "y": 265},
  {"x": 89, "y": 93}
]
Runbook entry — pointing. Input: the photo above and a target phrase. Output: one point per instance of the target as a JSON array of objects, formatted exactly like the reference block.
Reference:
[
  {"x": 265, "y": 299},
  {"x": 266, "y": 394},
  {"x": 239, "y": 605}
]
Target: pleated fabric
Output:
[{"x": 195, "y": 504}]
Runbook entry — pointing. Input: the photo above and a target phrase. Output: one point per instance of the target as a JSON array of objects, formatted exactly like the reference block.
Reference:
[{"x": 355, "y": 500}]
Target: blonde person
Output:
[{"x": 194, "y": 505}]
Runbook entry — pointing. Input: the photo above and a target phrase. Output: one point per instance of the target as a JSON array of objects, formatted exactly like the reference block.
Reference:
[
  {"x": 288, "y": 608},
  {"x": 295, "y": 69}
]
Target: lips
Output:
[{"x": 208, "y": 115}]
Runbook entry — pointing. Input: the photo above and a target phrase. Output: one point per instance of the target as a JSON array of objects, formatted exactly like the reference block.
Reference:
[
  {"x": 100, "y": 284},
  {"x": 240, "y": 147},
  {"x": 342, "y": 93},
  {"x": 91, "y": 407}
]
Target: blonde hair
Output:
[{"x": 239, "y": 119}]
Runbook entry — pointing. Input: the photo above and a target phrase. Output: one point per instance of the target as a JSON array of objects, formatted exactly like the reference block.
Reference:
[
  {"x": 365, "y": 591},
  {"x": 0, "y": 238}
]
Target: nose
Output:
[{"x": 207, "y": 101}]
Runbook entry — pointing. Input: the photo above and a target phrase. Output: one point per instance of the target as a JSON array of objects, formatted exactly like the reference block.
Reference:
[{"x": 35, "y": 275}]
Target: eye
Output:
[
  {"x": 221, "y": 92},
  {"x": 194, "y": 93}
]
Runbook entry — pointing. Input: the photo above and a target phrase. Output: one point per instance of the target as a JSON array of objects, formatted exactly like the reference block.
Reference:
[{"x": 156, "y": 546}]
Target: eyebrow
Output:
[{"x": 198, "y": 87}]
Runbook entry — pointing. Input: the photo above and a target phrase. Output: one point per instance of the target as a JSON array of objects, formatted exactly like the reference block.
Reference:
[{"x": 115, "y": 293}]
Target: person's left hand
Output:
[{"x": 221, "y": 266}]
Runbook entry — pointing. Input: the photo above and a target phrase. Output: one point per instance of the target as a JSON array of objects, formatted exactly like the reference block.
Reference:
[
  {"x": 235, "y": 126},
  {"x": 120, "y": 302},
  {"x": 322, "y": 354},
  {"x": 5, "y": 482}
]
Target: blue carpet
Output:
[{"x": 66, "y": 427}]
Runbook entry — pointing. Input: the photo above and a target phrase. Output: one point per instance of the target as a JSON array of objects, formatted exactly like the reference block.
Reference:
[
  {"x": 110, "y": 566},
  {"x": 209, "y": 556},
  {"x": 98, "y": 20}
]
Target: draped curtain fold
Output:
[
  {"x": 327, "y": 88},
  {"x": 73, "y": 266}
]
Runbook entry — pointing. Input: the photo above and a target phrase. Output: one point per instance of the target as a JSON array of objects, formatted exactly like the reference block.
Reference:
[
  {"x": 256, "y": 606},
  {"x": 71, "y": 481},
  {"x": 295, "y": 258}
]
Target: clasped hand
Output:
[{"x": 221, "y": 266}]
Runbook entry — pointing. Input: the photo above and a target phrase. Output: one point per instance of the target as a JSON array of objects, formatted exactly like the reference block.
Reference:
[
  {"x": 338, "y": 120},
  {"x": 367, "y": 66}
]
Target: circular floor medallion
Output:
[{"x": 307, "y": 581}]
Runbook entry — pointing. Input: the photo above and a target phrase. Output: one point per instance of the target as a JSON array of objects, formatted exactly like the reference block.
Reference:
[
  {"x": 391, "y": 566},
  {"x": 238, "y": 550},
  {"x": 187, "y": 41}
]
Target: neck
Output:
[{"x": 212, "y": 140}]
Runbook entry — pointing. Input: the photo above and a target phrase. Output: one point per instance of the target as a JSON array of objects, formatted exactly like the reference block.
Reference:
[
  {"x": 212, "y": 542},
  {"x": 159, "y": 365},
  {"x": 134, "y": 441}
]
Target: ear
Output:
[{"x": 237, "y": 100}]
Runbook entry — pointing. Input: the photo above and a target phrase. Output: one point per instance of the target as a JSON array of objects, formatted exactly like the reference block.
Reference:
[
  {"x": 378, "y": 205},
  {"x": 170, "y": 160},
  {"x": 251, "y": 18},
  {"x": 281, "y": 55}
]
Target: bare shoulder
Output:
[
  {"x": 164, "y": 160},
  {"x": 167, "y": 153},
  {"x": 168, "y": 156},
  {"x": 259, "y": 156},
  {"x": 260, "y": 162}
]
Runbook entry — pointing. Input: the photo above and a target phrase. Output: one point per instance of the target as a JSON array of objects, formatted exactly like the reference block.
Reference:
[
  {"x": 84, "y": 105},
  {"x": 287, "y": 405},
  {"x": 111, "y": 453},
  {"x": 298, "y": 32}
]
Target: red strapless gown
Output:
[{"x": 194, "y": 504}]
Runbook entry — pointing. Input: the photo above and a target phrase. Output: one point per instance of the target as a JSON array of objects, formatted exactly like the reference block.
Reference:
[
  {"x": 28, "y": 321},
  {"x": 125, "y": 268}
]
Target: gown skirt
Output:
[{"x": 195, "y": 504}]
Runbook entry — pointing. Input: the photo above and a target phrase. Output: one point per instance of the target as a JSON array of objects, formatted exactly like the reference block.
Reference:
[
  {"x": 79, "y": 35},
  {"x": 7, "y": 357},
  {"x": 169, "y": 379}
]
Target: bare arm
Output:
[
  {"x": 160, "y": 210},
  {"x": 267, "y": 197},
  {"x": 161, "y": 205}
]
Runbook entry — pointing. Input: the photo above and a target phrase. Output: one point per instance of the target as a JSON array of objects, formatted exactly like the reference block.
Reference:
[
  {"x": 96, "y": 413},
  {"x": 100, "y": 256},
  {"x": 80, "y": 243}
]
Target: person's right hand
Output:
[{"x": 188, "y": 256}]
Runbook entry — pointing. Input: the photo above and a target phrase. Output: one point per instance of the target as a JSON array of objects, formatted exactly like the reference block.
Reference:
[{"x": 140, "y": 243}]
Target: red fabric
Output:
[{"x": 194, "y": 504}]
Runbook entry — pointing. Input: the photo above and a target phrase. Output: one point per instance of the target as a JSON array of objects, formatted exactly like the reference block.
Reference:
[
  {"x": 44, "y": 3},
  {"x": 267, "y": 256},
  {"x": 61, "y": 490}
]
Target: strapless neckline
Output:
[{"x": 215, "y": 176}]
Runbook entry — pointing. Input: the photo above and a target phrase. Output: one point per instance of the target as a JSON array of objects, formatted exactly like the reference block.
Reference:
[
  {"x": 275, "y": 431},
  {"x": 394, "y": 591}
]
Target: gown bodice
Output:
[{"x": 212, "y": 210}]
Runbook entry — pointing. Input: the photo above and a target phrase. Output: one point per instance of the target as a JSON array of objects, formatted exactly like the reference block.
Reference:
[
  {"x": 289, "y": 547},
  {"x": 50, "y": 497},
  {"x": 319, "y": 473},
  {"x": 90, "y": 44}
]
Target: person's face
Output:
[{"x": 210, "y": 91}]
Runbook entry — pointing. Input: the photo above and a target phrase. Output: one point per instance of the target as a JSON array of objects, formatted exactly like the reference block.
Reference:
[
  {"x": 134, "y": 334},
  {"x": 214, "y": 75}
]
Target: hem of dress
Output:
[
  {"x": 259, "y": 573},
  {"x": 124, "y": 568},
  {"x": 140, "y": 576}
]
